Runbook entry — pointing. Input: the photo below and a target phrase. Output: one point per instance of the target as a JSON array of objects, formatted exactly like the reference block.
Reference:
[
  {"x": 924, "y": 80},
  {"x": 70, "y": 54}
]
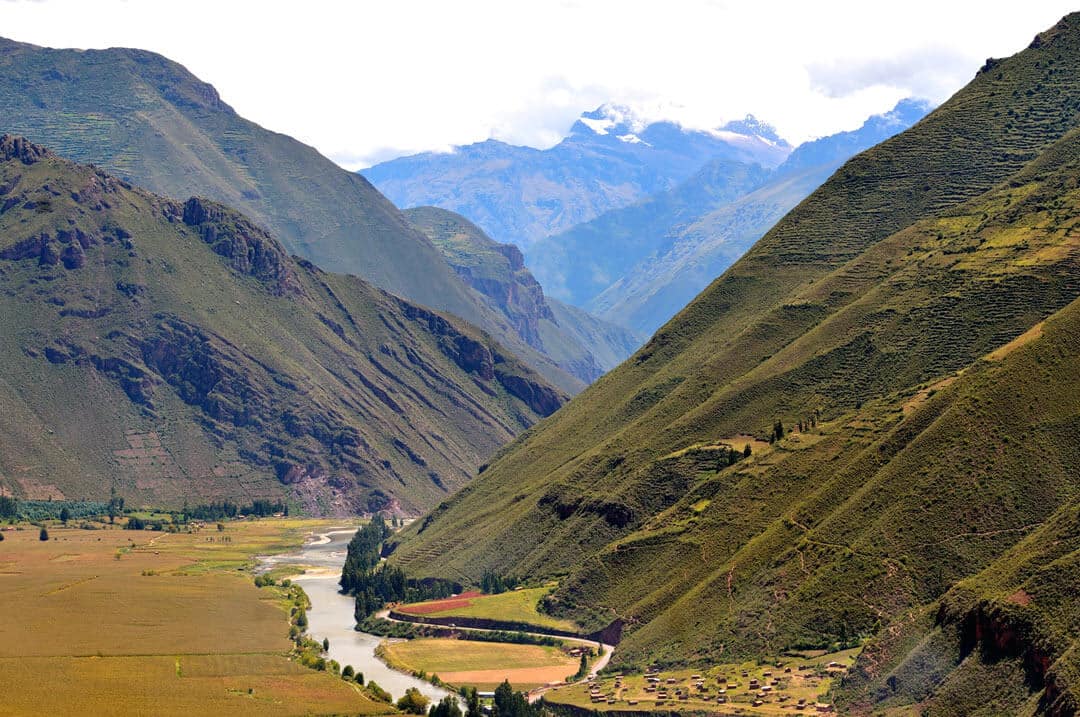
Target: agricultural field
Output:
[
  {"x": 518, "y": 606},
  {"x": 118, "y": 622},
  {"x": 790, "y": 685},
  {"x": 481, "y": 664}
]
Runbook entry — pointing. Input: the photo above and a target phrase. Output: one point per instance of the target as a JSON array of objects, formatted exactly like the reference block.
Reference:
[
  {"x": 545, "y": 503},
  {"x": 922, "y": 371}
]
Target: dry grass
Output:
[
  {"x": 482, "y": 664},
  {"x": 168, "y": 627},
  {"x": 1022, "y": 340}
]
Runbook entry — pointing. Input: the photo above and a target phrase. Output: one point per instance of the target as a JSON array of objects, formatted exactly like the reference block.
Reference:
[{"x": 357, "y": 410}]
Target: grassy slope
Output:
[
  {"x": 175, "y": 369},
  {"x": 917, "y": 258},
  {"x": 581, "y": 262},
  {"x": 582, "y": 345},
  {"x": 147, "y": 119},
  {"x": 512, "y": 606}
]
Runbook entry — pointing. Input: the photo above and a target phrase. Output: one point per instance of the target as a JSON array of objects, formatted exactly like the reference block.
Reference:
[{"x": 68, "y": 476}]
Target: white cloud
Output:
[{"x": 366, "y": 81}]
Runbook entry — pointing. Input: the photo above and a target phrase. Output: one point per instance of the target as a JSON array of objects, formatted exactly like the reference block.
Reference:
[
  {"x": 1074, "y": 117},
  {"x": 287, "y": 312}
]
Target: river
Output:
[{"x": 331, "y": 614}]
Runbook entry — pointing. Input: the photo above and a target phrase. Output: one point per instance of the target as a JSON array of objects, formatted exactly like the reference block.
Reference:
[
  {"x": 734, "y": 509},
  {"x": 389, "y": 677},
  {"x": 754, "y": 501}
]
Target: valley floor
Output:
[{"x": 112, "y": 621}]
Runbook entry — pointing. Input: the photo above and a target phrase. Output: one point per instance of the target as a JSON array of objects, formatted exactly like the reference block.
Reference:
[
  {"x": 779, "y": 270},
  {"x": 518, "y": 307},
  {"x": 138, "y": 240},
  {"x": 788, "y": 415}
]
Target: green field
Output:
[
  {"x": 481, "y": 664},
  {"x": 115, "y": 621},
  {"x": 518, "y": 606}
]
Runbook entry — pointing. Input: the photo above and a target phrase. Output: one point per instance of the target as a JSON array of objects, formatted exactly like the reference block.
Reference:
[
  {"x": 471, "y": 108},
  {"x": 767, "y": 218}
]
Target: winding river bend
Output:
[{"x": 331, "y": 614}]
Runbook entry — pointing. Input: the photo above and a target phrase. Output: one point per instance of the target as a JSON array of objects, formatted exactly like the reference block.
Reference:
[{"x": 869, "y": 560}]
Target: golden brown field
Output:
[
  {"x": 482, "y": 664},
  {"x": 134, "y": 622}
]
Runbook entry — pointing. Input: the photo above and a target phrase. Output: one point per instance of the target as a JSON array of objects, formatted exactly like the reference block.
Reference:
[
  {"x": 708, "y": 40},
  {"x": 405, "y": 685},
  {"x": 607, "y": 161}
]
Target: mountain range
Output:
[
  {"x": 174, "y": 351},
  {"x": 148, "y": 120},
  {"x": 899, "y": 355},
  {"x": 697, "y": 201},
  {"x": 609, "y": 159},
  {"x": 638, "y": 265}
]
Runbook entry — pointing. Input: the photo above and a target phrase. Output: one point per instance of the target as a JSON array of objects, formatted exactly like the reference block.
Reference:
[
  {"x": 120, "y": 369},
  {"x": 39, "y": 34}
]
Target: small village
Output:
[{"x": 791, "y": 686}]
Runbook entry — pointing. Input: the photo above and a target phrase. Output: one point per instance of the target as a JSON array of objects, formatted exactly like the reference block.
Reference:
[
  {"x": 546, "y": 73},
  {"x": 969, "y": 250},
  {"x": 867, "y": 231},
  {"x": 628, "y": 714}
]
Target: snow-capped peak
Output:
[
  {"x": 599, "y": 126},
  {"x": 753, "y": 127},
  {"x": 631, "y": 139},
  {"x": 615, "y": 119}
]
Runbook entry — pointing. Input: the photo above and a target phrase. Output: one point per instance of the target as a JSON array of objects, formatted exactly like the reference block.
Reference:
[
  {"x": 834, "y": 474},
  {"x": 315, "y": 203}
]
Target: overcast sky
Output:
[{"x": 366, "y": 81}]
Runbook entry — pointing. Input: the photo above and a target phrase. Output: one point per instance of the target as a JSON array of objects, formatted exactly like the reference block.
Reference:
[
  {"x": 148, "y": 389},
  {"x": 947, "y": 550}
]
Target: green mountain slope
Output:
[
  {"x": 868, "y": 313},
  {"x": 581, "y": 262},
  {"x": 607, "y": 344},
  {"x": 175, "y": 351},
  {"x": 580, "y": 344},
  {"x": 148, "y": 120}
]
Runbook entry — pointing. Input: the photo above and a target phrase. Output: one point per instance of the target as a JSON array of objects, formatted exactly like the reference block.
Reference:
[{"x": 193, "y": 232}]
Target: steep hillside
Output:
[
  {"x": 1005, "y": 641},
  {"x": 610, "y": 159},
  {"x": 608, "y": 344},
  {"x": 174, "y": 351},
  {"x": 148, "y": 120},
  {"x": 580, "y": 344},
  {"x": 580, "y": 263},
  {"x": 495, "y": 270},
  {"x": 699, "y": 232},
  {"x": 914, "y": 321}
]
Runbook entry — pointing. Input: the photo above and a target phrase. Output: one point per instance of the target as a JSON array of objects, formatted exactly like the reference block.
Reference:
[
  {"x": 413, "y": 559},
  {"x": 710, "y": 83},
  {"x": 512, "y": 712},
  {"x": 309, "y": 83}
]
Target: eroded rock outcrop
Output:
[{"x": 249, "y": 248}]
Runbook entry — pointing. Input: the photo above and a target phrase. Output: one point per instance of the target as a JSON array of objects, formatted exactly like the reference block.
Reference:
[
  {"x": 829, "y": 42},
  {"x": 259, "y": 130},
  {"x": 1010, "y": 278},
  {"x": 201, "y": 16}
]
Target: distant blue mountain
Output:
[
  {"x": 609, "y": 159},
  {"x": 639, "y": 265}
]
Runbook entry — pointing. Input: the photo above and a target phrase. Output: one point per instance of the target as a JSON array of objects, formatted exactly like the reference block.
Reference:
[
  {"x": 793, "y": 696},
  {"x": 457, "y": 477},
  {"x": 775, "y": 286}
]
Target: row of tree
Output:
[
  {"x": 507, "y": 703},
  {"x": 492, "y": 583},
  {"x": 38, "y": 510},
  {"x": 802, "y": 425},
  {"x": 227, "y": 509},
  {"x": 12, "y": 508},
  {"x": 374, "y": 583}
]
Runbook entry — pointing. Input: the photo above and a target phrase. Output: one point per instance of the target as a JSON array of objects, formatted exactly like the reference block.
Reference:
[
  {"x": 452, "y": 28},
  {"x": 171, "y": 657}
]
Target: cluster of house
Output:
[
  {"x": 767, "y": 688},
  {"x": 597, "y": 695}
]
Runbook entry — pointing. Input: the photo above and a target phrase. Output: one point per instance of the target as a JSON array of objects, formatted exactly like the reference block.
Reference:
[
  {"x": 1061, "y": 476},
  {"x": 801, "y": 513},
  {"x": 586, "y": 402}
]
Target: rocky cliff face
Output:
[
  {"x": 498, "y": 273},
  {"x": 148, "y": 120},
  {"x": 249, "y": 249},
  {"x": 131, "y": 320},
  {"x": 516, "y": 292},
  {"x": 487, "y": 363}
]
